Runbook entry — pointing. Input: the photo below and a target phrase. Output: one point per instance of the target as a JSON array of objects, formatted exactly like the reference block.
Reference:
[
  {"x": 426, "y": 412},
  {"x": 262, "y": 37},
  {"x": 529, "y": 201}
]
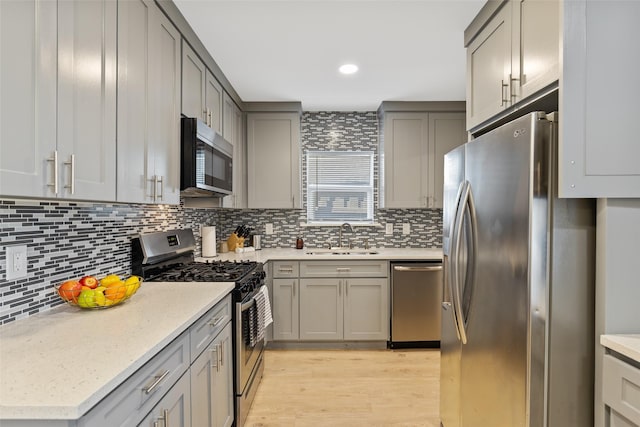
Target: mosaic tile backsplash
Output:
[{"x": 69, "y": 239}]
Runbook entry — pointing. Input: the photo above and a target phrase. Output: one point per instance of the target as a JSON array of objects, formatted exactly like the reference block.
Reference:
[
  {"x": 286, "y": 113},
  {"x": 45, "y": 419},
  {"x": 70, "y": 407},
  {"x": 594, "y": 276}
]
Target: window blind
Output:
[{"x": 340, "y": 186}]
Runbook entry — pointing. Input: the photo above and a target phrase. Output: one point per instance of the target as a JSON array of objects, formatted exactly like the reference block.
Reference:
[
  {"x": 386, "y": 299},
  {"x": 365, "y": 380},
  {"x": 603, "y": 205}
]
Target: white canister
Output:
[{"x": 208, "y": 242}]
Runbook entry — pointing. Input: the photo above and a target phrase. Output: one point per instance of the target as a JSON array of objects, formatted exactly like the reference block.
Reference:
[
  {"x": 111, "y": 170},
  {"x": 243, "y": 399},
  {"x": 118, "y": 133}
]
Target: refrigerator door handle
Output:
[
  {"x": 451, "y": 272},
  {"x": 455, "y": 249}
]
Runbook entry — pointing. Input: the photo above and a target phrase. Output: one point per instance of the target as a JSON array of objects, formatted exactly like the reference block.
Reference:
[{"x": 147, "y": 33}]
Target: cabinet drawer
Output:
[
  {"x": 621, "y": 388},
  {"x": 208, "y": 326},
  {"x": 284, "y": 269},
  {"x": 344, "y": 269},
  {"x": 134, "y": 398}
]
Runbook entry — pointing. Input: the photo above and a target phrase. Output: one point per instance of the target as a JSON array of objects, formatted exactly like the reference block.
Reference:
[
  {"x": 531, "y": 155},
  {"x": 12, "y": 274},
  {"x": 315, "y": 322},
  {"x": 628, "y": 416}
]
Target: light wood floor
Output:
[{"x": 348, "y": 388}]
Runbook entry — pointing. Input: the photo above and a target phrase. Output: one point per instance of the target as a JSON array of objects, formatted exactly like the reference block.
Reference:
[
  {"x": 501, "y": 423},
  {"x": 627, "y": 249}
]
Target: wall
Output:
[
  {"x": 617, "y": 284},
  {"x": 68, "y": 239}
]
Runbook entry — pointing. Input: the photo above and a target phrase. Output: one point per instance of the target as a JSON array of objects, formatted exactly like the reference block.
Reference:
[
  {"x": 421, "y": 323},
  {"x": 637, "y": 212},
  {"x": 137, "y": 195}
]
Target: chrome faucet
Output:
[{"x": 346, "y": 224}]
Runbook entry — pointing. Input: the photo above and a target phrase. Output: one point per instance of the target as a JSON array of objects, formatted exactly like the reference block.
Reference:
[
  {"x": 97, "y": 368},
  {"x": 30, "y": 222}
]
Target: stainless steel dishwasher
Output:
[{"x": 416, "y": 295}]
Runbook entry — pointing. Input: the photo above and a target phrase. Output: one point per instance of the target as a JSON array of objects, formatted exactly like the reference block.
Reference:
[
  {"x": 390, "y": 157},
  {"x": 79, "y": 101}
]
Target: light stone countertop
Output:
[
  {"x": 390, "y": 254},
  {"x": 58, "y": 364},
  {"x": 627, "y": 345}
]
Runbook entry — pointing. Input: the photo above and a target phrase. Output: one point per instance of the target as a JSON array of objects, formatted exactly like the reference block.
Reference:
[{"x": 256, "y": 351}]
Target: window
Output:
[{"x": 339, "y": 186}]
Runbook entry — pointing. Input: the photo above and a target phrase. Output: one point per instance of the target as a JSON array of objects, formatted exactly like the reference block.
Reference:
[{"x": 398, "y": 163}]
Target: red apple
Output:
[
  {"x": 70, "y": 290},
  {"x": 89, "y": 281}
]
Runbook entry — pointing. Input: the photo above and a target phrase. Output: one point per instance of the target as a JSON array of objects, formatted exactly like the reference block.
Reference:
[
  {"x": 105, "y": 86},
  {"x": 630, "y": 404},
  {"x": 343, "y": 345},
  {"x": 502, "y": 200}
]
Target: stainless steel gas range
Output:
[{"x": 168, "y": 256}]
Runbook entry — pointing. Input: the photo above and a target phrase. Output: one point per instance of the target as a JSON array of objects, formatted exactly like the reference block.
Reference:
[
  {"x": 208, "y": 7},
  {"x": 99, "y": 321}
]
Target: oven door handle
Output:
[{"x": 246, "y": 305}]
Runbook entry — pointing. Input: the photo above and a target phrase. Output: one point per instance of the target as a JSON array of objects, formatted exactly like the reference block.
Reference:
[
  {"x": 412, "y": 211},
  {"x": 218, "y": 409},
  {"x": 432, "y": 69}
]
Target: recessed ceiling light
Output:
[{"x": 348, "y": 68}]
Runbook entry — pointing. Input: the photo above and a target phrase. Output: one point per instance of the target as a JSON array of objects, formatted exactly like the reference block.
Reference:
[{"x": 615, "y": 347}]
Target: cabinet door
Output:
[
  {"x": 406, "y": 137},
  {"x": 321, "y": 309},
  {"x": 366, "y": 309},
  {"x": 212, "y": 383},
  {"x": 239, "y": 161},
  {"x": 446, "y": 132},
  {"x": 285, "y": 309},
  {"x": 598, "y": 144},
  {"x": 174, "y": 409},
  {"x": 193, "y": 84},
  {"x": 233, "y": 132},
  {"x": 273, "y": 160},
  {"x": 489, "y": 69},
  {"x": 164, "y": 131},
  {"x": 535, "y": 58},
  {"x": 28, "y": 33},
  {"x": 223, "y": 395},
  {"x": 134, "y": 22},
  {"x": 87, "y": 98},
  {"x": 213, "y": 101}
]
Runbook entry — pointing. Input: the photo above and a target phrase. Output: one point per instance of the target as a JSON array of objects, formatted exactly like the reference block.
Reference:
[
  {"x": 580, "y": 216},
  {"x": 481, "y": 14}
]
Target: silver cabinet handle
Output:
[
  {"x": 54, "y": 159},
  {"x": 339, "y": 287},
  {"x": 216, "y": 366},
  {"x": 222, "y": 353},
  {"x": 503, "y": 101},
  {"x": 346, "y": 288},
  {"x": 343, "y": 269},
  {"x": 215, "y": 321},
  {"x": 294, "y": 288},
  {"x": 165, "y": 417},
  {"x": 72, "y": 164},
  {"x": 511, "y": 85},
  {"x": 211, "y": 119},
  {"x": 405, "y": 268},
  {"x": 161, "y": 181},
  {"x": 205, "y": 116},
  {"x": 158, "y": 379},
  {"x": 285, "y": 270}
]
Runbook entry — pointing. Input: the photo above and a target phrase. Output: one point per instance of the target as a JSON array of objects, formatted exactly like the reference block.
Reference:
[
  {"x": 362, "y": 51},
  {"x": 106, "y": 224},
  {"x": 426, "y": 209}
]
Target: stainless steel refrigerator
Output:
[{"x": 518, "y": 337}]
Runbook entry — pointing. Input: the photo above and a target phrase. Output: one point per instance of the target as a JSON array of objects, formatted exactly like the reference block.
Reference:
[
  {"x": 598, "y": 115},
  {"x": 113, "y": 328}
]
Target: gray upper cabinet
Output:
[
  {"x": 87, "y": 98},
  {"x": 273, "y": 160},
  {"x": 148, "y": 105},
  {"x": 62, "y": 99},
  {"x": 488, "y": 69},
  {"x": 574, "y": 43},
  {"x": 28, "y": 33},
  {"x": 599, "y": 109},
  {"x": 515, "y": 55},
  {"x": 202, "y": 95},
  {"x": 417, "y": 142},
  {"x": 233, "y": 131}
]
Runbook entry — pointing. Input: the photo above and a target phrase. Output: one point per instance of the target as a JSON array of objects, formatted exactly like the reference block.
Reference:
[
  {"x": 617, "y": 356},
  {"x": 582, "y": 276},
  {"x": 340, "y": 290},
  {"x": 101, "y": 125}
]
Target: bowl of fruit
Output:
[{"x": 93, "y": 293}]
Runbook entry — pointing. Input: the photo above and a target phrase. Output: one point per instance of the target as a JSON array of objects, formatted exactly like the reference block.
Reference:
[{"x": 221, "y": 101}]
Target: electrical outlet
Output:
[
  {"x": 389, "y": 229},
  {"x": 16, "y": 257},
  {"x": 406, "y": 228},
  {"x": 268, "y": 228}
]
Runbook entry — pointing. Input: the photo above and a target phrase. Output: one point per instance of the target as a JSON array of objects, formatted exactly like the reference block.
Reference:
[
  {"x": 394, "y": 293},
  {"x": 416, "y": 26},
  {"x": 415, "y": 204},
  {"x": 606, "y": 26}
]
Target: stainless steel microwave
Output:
[{"x": 206, "y": 161}]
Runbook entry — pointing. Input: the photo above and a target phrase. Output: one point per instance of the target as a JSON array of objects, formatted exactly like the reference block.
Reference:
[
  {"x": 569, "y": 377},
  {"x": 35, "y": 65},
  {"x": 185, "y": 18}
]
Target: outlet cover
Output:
[
  {"x": 389, "y": 229},
  {"x": 16, "y": 257},
  {"x": 406, "y": 228},
  {"x": 268, "y": 228}
]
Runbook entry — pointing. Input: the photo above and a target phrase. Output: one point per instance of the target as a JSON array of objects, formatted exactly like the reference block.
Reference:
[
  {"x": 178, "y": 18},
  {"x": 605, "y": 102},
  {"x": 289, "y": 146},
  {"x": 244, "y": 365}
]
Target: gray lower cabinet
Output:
[
  {"x": 285, "y": 304},
  {"x": 344, "y": 301},
  {"x": 285, "y": 309},
  {"x": 149, "y": 74},
  {"x": 173, "y": 409},
  {"x": 621, "y": 392},
  {"x": 188, "y": 383},
  {"x": 59, "y": 99},
  {"x": 211, "y": 384}
]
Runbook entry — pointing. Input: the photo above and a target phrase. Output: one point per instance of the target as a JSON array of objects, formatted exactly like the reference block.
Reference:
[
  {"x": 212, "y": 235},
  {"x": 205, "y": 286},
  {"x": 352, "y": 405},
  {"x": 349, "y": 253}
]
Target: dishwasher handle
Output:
[{"x": 405, "y": 268}]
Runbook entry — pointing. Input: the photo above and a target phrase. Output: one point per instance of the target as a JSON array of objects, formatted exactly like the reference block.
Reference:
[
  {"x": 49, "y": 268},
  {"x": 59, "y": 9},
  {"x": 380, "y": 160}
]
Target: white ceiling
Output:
[{"x": 290, "y": 50}]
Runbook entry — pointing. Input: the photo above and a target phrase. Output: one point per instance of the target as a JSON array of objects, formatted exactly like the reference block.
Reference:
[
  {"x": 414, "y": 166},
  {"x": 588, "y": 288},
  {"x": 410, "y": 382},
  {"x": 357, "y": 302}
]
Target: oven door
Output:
[{"x": 247, "y": 356}]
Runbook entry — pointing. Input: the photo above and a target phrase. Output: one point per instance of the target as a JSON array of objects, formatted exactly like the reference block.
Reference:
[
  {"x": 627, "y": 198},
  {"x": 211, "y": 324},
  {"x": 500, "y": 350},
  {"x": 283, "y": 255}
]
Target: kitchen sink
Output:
[{"x": 354, "y": 251}]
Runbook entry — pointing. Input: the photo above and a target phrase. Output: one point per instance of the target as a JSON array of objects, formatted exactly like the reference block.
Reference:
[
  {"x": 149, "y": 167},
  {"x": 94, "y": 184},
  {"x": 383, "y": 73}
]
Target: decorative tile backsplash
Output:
[{"x": 70, "y": 239}]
